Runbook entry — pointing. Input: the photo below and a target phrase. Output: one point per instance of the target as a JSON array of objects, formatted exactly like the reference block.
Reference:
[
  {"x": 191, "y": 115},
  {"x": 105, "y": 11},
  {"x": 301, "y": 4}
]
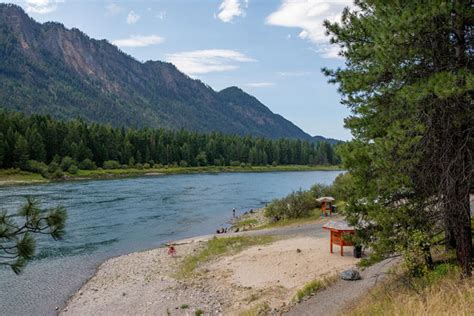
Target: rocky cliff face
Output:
[{"x": 48, "y": 69}]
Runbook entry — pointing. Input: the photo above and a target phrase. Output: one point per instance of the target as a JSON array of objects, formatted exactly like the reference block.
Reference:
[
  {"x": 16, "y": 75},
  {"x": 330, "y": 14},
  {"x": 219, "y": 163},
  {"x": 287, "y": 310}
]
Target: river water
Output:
[{"x": 107, "y": 218}]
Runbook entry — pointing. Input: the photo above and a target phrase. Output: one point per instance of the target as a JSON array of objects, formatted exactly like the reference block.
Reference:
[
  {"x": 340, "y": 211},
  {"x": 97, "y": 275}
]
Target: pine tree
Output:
[
  {"x": 36, "y": 145},
  {"x": 2, "y": 149},
  {"x": 409, "y": 80},
  {"x": 20, "y": 152}
]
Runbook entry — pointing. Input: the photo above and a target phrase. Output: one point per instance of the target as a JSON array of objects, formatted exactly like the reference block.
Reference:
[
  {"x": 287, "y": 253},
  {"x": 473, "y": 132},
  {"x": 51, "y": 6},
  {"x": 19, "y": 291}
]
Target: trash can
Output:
[{"x": 357, "y": 251}]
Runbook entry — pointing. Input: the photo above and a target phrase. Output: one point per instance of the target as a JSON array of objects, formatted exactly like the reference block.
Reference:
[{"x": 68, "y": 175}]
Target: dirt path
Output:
[{"x": 342, "y": 294}]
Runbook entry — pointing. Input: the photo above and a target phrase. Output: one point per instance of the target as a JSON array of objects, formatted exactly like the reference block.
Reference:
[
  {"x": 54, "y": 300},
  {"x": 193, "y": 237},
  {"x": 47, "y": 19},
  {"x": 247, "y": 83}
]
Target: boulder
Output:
[{"x": 350, "y": 275}]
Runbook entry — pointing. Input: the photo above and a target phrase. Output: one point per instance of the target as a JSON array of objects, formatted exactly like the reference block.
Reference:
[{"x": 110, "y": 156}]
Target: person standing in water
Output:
[{"x": 233, "y": 212}]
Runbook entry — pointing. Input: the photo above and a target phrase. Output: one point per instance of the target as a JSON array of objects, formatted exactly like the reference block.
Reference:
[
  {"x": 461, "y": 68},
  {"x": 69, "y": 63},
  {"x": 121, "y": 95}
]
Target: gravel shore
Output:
[{"x": 267, "y": 275}]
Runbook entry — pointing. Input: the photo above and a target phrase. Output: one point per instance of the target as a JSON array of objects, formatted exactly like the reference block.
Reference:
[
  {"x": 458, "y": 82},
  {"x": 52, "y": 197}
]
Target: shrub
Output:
[
  {"x": 274, "y": 164},
  {"x": 199, "y": 312},
  {"x": 296, "y": 205},
  {"x": 111, "y": 164},
  {"x": 183, "y": 163},
  {"x": 235, "y": 163},
  {"x": 53, "y": 166},
  {"x": 66, "y": 163},
  {"x": 139, "y": 166},
  {"x": 73, "y": 169},
  {"x": 87, "y": 164},
  {"x": 157, "y": 166},
  {"x": 146, "y": 165},
  {"x": 37, "y": 167},
  {"x": 57, "y": 174},
  {"x": 343, "y": 187}
]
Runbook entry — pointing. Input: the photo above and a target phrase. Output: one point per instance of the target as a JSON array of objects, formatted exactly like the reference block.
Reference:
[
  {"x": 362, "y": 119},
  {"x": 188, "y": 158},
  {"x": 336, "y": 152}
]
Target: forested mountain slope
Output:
[{"x": 48, "y": 69}]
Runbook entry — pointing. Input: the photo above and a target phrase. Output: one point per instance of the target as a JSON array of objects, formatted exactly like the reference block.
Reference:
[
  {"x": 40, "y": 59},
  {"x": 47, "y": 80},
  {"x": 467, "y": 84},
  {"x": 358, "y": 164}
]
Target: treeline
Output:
[{"x": 32, "y": 142}]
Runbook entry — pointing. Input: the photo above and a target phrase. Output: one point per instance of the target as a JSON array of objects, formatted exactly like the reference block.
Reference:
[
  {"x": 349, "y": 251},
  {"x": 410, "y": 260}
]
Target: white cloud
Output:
[
  {"x": 132, "y": 17},
  {"x": 327, "y": 51},
  {"x": 229, "y": 9},
  {"x": 309, "y": 15},
  {"x": 112, "y": 9},
  {"x": 260, "y": 84},
  {"x": 205, "y": 61},
  {"x": 42, "y": 6},
  {"x": 139, "y": 41}
]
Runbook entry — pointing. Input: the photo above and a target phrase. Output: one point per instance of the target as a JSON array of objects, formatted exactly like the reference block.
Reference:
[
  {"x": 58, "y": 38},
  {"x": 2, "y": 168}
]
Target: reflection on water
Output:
[{"x": 113, "y": 217}]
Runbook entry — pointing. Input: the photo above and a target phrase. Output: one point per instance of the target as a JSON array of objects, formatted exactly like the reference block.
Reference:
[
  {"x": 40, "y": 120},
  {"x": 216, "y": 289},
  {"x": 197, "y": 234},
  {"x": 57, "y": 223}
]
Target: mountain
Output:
[
  {"x": 331, "y": 141},
  {"x": 48, "y": 69}
]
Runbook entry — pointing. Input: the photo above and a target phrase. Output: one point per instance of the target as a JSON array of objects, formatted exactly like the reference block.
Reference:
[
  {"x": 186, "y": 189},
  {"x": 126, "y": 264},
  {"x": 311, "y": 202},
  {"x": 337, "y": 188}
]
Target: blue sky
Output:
[{"x": 273, "y": 49}]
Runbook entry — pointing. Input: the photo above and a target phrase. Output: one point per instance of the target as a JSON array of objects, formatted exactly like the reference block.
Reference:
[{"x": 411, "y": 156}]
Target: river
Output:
[{"x": 108, "y": 218}]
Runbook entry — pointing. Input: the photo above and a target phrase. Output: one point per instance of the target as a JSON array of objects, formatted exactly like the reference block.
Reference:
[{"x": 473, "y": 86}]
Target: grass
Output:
[
  {"x": 199, "y": 312},
  {"x": 313, "y": 287},
  {"x": 246, "y": 222},
  {"x": 217, "y": 247},
  {"x": 16, "y": 176},
  {"x": 315, "y": 215},
  {"x": 260, "y": 309},
  {"x": 440, "y": 292},
  {"x": 209, "y": 169}
]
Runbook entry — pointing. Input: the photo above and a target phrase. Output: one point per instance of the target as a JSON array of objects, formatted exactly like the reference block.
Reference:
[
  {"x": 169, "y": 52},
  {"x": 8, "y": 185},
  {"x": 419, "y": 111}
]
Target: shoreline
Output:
[
  {"x": 151, "y": 273},
  {"x": 14, "y": 177}
]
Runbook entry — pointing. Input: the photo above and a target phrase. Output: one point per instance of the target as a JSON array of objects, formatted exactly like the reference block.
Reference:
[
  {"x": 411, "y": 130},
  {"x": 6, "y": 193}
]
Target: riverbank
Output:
[
  {"x": 18, "y": 177},
  {"x": 243, "y": 280}
]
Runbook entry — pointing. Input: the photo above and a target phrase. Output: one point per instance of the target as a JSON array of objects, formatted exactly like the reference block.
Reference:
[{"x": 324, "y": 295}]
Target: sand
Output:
[{"x": 143, "y": 283}]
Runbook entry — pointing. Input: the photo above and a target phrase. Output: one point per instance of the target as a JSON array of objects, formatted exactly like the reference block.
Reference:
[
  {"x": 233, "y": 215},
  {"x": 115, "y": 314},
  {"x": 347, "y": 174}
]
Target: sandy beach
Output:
[{"x": 268, "y": 275}]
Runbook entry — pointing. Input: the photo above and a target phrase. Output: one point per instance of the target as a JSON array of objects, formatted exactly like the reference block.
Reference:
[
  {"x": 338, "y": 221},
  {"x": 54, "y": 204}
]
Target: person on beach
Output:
[{"x": 171, "y": 250}]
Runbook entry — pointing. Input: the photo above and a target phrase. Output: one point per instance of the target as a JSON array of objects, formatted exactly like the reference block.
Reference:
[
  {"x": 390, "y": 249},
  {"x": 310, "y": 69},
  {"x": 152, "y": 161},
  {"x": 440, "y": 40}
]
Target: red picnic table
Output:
[{"x": 339, "y": 229}]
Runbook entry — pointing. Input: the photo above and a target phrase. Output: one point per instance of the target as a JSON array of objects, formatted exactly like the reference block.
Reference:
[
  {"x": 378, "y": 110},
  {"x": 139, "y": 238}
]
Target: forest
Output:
[{"x": 41, "y": 144}]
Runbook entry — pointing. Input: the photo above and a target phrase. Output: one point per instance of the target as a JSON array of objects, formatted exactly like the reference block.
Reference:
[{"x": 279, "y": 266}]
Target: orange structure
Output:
[
  {"x": 338, "y": 230},
  {"x": 326, "y": 204}
]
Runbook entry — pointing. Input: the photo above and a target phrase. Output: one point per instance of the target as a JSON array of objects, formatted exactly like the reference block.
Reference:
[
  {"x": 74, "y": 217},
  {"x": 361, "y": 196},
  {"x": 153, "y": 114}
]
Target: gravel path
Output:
[{"x": 340, "y": 295}]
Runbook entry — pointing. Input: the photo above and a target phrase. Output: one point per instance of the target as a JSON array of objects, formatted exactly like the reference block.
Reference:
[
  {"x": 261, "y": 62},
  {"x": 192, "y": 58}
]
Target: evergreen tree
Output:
[
  {"x": 409, "y": 80},
  {"x": 36, "y": 145},
  {"x": 2, "y": 149},
  {"x": 20, "y": 152}
]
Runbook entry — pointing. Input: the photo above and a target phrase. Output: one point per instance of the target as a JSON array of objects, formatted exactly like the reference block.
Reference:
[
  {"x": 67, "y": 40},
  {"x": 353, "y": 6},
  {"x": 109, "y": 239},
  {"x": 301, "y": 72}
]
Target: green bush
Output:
[
  {"x": 296, "y": 205},
  {"x": 146, "y": 165},
  {"x": 235, "y": 163},
  {"x": 87, "y": 164},
  {"x": 343, "y": 187},
  {"x": 183, "y": 163},
  {"x": 66, "y": 163},
  {"x": 37, "y": 167},
  {"x": 139, "y": 166},
  {"x": 53, "y": 166},
  {"x": 111, "y": 164},
  {"x": 73, "y": 169}
]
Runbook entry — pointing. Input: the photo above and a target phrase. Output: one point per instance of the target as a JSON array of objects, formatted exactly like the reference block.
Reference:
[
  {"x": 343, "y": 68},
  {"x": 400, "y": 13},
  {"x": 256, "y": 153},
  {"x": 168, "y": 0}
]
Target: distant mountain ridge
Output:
[{"x": 48, "y": 69}]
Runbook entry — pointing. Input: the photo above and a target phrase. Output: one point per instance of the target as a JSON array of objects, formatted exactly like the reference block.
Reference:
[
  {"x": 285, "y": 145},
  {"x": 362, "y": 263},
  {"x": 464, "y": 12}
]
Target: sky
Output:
[{"x": 272, "y": 49}]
